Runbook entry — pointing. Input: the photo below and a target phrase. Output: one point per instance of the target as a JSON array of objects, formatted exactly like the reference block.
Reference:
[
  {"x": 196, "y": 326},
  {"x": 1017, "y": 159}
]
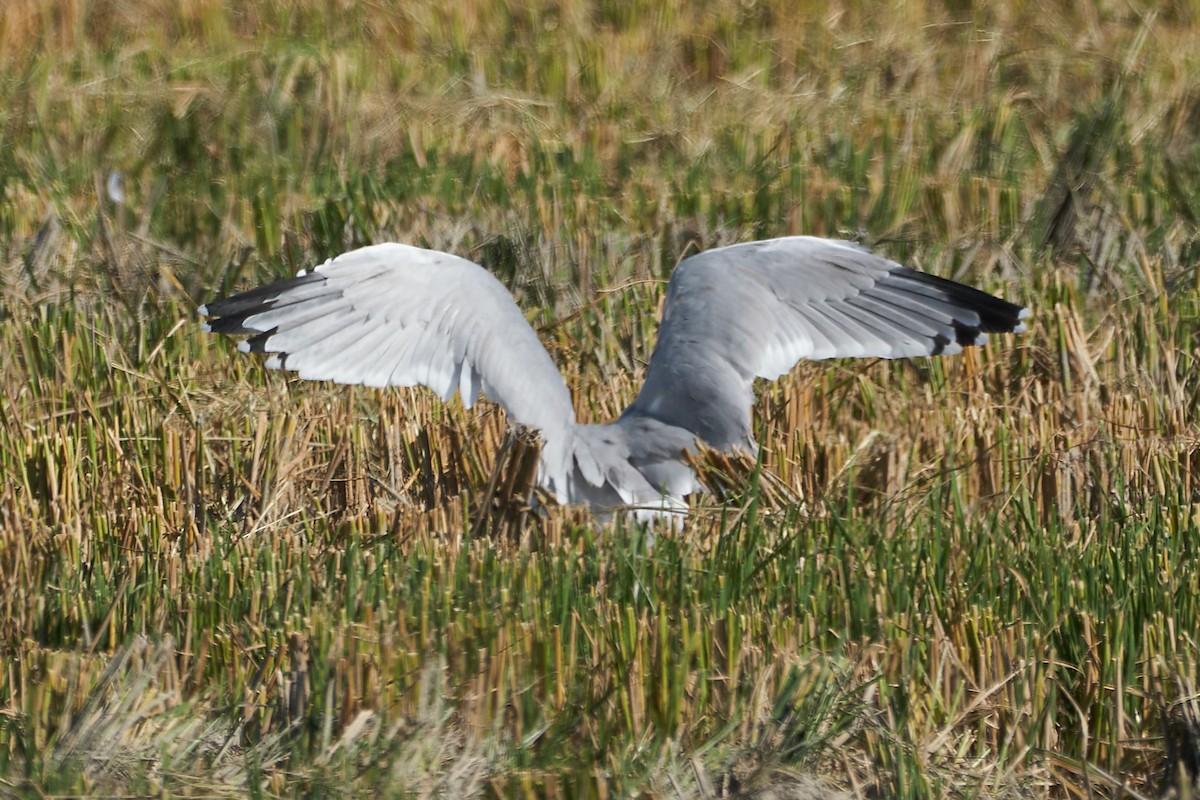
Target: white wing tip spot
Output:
[{"x": 1020, "y": 327}]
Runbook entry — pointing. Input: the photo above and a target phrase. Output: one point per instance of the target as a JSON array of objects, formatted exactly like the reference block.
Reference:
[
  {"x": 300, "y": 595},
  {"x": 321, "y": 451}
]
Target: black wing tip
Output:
[
  {"x": 228, "y": 315},
  {"x": 257, "y": 343},
  {"x": 230, "y": 326},
  {"x": 996, "y": 315}
]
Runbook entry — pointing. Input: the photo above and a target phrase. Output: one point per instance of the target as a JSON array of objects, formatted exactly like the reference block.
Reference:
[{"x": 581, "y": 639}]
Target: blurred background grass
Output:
[{"x": 969, "y": 577}]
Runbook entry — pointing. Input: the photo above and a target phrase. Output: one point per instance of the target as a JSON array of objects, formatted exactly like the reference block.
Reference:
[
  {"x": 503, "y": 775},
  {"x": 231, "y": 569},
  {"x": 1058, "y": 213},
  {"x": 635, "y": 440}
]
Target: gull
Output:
[{"x": 397, "y": 315}]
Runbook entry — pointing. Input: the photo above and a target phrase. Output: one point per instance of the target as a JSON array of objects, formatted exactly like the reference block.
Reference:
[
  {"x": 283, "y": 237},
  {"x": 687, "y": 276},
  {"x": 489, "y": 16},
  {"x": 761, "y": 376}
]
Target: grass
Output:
[{"x": 960, "y": 578}]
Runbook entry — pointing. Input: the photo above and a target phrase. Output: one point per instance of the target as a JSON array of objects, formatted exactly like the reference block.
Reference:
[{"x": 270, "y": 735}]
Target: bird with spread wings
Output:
[{"x": 397, "y": 315}]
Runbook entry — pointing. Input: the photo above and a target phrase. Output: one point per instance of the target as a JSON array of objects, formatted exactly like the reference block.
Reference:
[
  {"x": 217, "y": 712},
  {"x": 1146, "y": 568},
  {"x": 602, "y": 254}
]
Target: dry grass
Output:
[{"x": 961, "y": 578}]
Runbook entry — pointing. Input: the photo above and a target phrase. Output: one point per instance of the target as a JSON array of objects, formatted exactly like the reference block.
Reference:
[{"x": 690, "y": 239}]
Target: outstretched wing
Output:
[
  {"x": 755, "y": 309},
  {"x": 395, "y": 315}
]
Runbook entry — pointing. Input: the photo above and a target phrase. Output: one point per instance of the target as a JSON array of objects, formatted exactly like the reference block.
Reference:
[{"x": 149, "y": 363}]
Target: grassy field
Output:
[{"x": 961, "y": 578}]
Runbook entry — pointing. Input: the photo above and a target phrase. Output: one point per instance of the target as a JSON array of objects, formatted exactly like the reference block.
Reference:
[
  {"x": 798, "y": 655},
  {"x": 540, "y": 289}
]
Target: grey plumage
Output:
[{"x": 396, "y": 315}]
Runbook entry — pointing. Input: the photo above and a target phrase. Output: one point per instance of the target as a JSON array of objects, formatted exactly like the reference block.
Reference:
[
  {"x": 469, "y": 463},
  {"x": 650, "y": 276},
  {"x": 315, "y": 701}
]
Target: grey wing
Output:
[
  {"x": 395, "y": 315},
  {"x": 755, "y": 309}
]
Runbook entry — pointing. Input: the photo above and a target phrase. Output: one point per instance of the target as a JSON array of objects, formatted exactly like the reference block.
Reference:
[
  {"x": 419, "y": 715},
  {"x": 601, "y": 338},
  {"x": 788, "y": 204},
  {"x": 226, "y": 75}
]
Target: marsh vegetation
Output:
[{"x": 968, "y": 577}]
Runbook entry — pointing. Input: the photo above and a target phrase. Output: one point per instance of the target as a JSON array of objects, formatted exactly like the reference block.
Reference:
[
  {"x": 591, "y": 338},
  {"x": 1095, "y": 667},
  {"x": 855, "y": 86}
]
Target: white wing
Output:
[
  {"x": 755, "y": 309},
  {"x": 395, "y": 315}
]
